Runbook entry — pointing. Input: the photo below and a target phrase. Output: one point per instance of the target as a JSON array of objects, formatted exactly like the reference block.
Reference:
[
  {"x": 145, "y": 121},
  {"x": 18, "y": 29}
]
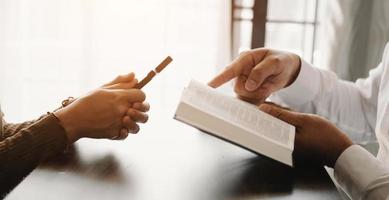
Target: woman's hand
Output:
[
  {"x": 99, "y": 114},
  {"x": 108, "y": 112},
  {"x": 316, "y": 138},
  {"x": 259, "y": 73},
  {"x": 137, "y": 112}
]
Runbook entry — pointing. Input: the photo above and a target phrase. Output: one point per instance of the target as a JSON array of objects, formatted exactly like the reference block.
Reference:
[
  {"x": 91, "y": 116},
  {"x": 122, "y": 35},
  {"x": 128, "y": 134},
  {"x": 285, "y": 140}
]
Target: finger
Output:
[
  {"x": 143, "y": 107},
  {"x": 123, "y": 85},
  {"x": 260, "y": 73},
  {"x": 130, "y": 125},
  {"x": 243, "y": 64},
  {"x": 251, "y": 100},
  {"x": 137, "y": 116},
  {"x": 136, "y": 129},
  {"x": 228, "y": 74},
  {"x": 282, "y": 114},
  {"x": 123, "y": 134},
  {"x": 276, "y": 105},
  {"x": 119, "y": 135},
  {"x": 122, "y": 78},
  {"x": 269, "y": 86},
  {"x": 133, "y": 95},
  {"x": 243, "y": 94},
  {"x": 266, "y": 90},
  {"x": 233, "y": 70}
]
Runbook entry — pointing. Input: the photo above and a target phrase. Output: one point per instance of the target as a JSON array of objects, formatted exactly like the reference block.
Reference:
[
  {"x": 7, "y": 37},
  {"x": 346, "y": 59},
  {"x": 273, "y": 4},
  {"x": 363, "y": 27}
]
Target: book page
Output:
[{"x": 240, "y": 113}]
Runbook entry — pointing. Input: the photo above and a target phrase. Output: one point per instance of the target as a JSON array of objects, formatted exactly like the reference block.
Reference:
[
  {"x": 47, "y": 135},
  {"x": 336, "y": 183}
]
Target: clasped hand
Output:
[{"x": 111, "y": 111}]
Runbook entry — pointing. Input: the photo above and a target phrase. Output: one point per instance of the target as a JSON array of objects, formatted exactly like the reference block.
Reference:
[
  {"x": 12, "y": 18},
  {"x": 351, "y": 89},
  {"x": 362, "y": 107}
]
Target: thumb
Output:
[
  {"x": 282, "y": 114},
  {"x": 121, "y": 79},
  {"x": 123, "y": 85}
]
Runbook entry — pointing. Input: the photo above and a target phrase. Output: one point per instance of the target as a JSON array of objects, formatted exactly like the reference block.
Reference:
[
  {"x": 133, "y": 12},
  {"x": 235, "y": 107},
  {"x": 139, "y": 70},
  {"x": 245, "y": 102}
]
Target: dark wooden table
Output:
[{"x": 172, "y": 161}]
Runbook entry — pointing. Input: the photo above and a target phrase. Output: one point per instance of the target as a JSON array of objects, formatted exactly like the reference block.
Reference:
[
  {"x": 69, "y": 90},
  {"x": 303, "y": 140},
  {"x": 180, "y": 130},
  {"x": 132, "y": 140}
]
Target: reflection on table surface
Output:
[{"x": 169, "y": 160}]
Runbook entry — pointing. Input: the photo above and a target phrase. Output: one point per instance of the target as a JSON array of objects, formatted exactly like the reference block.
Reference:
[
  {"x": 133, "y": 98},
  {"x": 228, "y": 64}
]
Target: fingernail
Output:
[
  {"x": 251, "y": 85},
  {"x": 124, "y": 136},
  {"x": 264, "y": 108}
]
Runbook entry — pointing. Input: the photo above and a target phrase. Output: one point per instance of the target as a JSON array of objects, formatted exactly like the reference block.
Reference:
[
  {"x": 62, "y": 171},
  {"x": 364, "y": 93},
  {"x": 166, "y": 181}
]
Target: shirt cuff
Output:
[
  {"x": 355, "y": 169},
  {"x": 304, "y": 88}
]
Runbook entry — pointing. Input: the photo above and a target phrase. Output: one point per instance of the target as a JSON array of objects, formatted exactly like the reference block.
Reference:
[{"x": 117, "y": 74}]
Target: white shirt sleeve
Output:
[
  {"x": 361, "y": 174},
  {"x": 351, "y": 106}
]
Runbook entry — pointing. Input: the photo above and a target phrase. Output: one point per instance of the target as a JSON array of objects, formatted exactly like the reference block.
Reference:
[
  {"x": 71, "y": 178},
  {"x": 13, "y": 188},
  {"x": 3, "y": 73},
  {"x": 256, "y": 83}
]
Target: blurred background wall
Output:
[
  {"x": 357, "y": 31},
  {"x": 52, "y": 49}
]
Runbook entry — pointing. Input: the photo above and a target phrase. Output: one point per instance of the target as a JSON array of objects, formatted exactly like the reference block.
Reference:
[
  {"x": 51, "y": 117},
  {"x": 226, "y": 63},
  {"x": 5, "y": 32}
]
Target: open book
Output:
[{"x": 236, "y": 121}]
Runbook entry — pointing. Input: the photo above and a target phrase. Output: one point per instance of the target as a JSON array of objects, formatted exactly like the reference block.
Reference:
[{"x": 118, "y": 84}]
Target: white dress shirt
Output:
[{"x": 361, "y": 109}]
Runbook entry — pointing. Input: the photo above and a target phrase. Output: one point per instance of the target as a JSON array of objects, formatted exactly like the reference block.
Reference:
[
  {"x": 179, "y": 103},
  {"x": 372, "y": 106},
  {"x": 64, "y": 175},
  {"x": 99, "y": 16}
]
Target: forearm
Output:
[
  {"x": 13, "y": 128},
  {"x": 27, "y": 145}
]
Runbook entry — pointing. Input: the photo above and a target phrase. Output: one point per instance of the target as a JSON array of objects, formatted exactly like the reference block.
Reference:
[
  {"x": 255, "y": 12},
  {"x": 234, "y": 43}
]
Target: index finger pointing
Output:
[
  {"x": 225, "y": 76},
  {"x": 246, "y": 59}
]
